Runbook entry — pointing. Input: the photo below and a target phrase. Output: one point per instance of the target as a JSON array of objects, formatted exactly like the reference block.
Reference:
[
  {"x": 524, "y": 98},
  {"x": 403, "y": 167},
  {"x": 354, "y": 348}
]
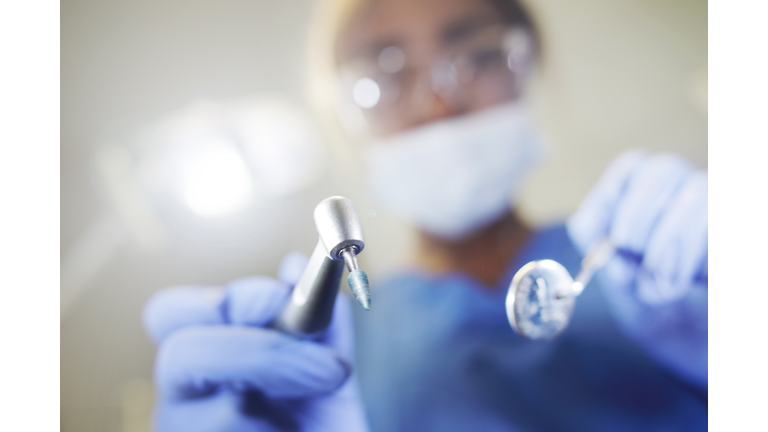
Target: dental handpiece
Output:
[{"x": 310, "y": 307}]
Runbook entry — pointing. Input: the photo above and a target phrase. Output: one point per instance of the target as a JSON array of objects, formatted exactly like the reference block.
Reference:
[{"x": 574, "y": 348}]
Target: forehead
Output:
[{"x": 419, "y": 26}]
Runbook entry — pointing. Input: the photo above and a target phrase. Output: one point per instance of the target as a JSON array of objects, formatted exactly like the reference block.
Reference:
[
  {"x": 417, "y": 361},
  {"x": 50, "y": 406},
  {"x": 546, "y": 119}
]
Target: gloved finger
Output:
[
  {"x": 648, "y": 194},
  {"x": 222, "y": 411},
  {"x": 702, "y": 275},
  {"x": 292, "y": 267},
  {"x": 677, "y": 247},
  {"x": 592, "y": 220},
  {"x": 177, "y": 307},
  {"x": 255, "y": 300},
  {"x": 194, "y": 360},
  {"x": 620, "y": 271},
  {"x": 231, "y": 411},
  {"x": 341, "y": 411}
]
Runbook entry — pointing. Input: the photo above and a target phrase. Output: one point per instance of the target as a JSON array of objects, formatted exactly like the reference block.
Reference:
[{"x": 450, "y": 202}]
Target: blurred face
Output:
[{"x": 407, "y": 63}]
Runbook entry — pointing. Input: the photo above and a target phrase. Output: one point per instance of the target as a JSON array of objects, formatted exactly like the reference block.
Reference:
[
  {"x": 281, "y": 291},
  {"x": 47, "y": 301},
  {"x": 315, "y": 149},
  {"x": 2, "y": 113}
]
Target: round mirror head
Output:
[{"x": 533, "y": 309}]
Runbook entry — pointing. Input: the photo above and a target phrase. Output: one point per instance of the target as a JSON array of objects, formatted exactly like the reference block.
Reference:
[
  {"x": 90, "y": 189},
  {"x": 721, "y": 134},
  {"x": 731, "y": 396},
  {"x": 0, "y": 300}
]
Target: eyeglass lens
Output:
[{"x": 482, "y": 71}]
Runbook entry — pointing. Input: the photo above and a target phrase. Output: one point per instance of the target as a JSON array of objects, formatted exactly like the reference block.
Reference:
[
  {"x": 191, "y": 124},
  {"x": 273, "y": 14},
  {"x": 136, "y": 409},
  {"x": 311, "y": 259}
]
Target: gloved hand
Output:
[
  {"x": 219, "y": 368},
  {"x": 654, "y": 209}
]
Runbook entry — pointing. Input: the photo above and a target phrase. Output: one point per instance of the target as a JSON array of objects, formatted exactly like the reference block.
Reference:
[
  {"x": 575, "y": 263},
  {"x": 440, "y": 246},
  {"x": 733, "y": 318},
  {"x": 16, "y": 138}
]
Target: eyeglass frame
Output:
[{"x": 443, "y": 74}]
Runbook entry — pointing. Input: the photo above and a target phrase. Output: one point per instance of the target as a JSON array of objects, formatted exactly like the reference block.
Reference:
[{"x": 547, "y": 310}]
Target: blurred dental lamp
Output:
[
  {"x": 216, "y": 171},
  {"x": 213, "y": 177},
  {"x": 217, "y": 159}
]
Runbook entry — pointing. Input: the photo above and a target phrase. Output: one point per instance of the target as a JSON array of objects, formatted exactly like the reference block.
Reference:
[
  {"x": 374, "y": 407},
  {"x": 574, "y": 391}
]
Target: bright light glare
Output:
[
  {"x": 391, "y": 59},
  {"x": 366, "y": 93},
  {"x": 215, "y": 181}
]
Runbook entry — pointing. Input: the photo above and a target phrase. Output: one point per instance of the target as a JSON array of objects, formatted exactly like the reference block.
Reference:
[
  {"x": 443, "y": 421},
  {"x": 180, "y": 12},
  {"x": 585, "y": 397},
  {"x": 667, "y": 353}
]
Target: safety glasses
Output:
[{"x": 394, "y": 91}]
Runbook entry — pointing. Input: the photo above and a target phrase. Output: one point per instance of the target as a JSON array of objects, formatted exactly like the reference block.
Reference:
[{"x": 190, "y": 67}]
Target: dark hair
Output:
[{"x": 514, "y": 13}]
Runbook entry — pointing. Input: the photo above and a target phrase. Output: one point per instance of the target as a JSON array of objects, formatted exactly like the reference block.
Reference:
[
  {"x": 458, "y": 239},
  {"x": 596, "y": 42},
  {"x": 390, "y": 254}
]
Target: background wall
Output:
[{"x": 617, "y": 74}]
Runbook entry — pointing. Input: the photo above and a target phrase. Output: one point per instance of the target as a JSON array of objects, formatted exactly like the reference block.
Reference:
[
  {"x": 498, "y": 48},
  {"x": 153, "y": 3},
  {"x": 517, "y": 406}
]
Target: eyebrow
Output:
[
  {"x": 452, "y": 33},
  {"x": 465, "y": 28}
]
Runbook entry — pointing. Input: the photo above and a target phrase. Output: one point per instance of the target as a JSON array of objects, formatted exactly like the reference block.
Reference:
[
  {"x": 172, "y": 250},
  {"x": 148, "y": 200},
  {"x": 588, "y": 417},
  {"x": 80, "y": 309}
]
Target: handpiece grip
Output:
[{"x": 310, "y": 308}]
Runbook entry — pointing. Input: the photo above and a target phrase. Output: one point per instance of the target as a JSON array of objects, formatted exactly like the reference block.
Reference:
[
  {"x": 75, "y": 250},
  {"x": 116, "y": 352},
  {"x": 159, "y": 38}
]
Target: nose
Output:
[
  {"x": 432, "y": 106},
  {"x": 439, "y": 108}
]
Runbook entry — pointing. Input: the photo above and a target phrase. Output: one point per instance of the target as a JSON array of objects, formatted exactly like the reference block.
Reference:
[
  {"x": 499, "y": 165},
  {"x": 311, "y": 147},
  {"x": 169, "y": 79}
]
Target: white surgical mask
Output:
[{"x": 452, "y": 177}]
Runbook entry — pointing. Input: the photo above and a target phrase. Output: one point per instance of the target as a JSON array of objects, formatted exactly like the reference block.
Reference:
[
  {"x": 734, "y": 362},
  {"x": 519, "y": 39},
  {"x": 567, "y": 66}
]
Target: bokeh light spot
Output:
[{"x": 366, "y": 93}]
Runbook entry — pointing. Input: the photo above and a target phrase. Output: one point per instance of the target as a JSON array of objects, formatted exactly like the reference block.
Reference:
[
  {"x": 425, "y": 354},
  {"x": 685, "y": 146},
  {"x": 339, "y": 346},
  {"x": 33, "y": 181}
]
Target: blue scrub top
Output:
[{"x": 436, "y": 353}]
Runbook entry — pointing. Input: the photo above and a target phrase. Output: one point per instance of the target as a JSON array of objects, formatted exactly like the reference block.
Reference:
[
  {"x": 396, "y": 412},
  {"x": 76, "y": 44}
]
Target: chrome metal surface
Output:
[
  {"x": 310, "y": 308},
  {"x": 533, "y": 309},
  {"x": 338, "y": 225},
  {"x": 350, "y": 258},
  {"x": 542, "y": 294}
]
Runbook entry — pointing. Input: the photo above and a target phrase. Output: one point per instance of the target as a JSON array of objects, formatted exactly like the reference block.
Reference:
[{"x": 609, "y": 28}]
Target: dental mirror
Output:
[{"x": 542, "y": 294}]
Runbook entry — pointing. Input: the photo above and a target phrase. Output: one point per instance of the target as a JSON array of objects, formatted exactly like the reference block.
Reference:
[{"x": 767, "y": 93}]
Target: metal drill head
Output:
[
  {"x": 358, "y": 283},
  {"x": 339, "y": 226},
  {"x": 310, "y": 307}
]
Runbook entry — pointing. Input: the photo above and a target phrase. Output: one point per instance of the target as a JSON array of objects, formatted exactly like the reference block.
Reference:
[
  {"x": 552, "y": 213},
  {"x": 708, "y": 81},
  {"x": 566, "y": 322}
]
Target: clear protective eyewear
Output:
[{"x": 392, "y": 89}]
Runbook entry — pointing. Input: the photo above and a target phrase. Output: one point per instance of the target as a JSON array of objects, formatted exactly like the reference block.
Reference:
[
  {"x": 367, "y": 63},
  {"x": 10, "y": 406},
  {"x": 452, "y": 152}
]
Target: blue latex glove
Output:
[
  {"x": 654, "y": 209},
  {"x": 219, "y": 369}
]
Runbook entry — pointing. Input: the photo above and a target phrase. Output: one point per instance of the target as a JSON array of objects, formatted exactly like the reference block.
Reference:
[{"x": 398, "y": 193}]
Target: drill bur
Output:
[
  {"x": 357, "y": 279},
  {"x": 358, "y": 283}
]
